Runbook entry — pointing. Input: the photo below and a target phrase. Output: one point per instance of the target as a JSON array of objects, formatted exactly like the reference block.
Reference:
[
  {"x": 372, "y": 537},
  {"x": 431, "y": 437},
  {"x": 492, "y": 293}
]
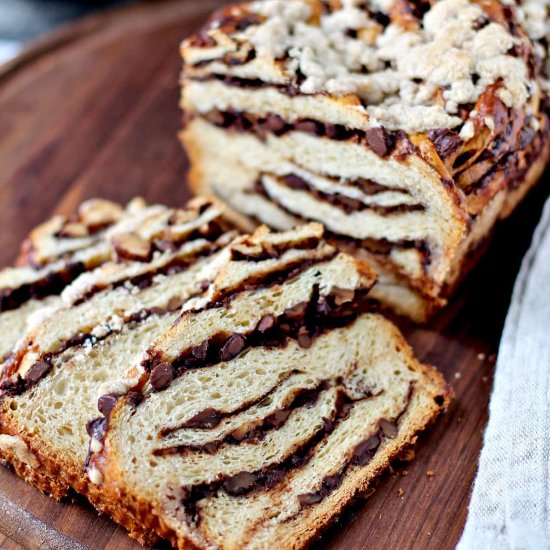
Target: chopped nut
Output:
[
  {"x": 132, "y": 247},
  {"x": 174, "y": 303},
  {"x": 490, "y": 123},
  {"x": 468, "y": 131},
  {"x": 400, "y": 492},
  {"x": 241, "y": 251},
  {"x": 136, "y": 204},
  {"x": 73, "y": 229},
  {"x": 342, "y": 295},
  {"x": 179, "y": 217},
  {"x": 430, "y": 473},
  {"x": 270, "y": 250},
  {"x": 95, "y": 476},
  {"x": 240, "y": 433},
  {"x": 405, "y": 473},
  {"x": 99, "y": 213}
]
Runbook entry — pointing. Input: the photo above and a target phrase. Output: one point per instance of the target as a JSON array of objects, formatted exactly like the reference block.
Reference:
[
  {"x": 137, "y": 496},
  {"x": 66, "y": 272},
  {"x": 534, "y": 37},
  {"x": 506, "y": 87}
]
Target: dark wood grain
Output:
[{"x": 92, "y": 111}]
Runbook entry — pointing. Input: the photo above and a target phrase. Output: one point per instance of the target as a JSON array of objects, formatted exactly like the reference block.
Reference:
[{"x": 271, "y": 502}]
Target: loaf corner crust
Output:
[{"x": 286, "y": 134}]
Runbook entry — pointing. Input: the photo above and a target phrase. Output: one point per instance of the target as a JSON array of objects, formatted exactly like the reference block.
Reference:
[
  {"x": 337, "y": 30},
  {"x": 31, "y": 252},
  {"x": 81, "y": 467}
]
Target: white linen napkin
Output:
[{"x": 510, "y": 505}]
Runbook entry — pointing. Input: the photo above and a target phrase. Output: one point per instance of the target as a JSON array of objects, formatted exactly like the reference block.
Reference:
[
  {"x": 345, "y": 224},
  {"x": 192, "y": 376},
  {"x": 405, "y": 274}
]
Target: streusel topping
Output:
[{"x": 411, "y": 78}]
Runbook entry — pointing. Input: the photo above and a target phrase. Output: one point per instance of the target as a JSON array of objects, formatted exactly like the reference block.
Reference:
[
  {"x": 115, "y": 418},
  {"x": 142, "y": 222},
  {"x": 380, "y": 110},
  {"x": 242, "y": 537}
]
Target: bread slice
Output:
[
  {"x": 61, "y": 250},
  {"x": 408, "y": 130},
  {"x": 55, "y": 253},
  {"x": 267, "y": 406},
  {"x": 81, "y": 350}
]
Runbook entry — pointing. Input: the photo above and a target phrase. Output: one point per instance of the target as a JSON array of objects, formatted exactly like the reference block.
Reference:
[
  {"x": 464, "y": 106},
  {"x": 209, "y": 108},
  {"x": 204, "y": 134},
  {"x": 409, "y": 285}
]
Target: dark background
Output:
[{"x": 23, "y": 20}]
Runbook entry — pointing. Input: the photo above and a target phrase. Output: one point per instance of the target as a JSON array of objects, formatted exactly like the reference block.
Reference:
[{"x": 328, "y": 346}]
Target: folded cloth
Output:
[{"x": 510, "y": 505}]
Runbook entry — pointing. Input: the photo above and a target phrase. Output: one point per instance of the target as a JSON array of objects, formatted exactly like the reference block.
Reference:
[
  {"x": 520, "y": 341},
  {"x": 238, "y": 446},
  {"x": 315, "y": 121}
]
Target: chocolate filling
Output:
[
  {"x": 250, "y": 83},
  {"x": 369, "y": 187},
  {"x": 382, "y": 247},
  {"x": 379, "y": 140},
  {"x": 51, "y": 284},
  {"x": 277, "y": 276},
  {"x": 95, "y": 429},
  {"x": 210, "y": 418},
  {"x": 345, "y": 203},
  {"x": 255, "y": 431},
  {"x": 509, "y": 161},
  {"x": 247, "y": 482},
  {"x": 446, "y": 141},
  {"x": 513, "y": 146},
  {"x": 361, "y": 455},
  {"x": 302, "y": 322},
  {"x": 161, "y": 376},
  {"x": 43, "y": 366},
  {"x": 173, "y": 267},
  {"x": 106, "y": 403},
  {"x": 228, "y": 21}
]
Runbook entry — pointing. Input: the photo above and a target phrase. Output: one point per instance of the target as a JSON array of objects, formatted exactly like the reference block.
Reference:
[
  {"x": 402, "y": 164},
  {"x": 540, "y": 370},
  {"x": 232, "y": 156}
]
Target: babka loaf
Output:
[
  {"x": 271, "y": 401},
  {"x": 54, "y": 254},
  {"x": 407, "y": 128},
  {"x": 81, "y": 350}
]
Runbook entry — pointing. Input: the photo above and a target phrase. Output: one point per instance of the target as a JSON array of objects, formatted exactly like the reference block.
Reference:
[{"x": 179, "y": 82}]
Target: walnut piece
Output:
[
  {"x": 132, "y": 247},
  {"x": 99, "y": 213}
]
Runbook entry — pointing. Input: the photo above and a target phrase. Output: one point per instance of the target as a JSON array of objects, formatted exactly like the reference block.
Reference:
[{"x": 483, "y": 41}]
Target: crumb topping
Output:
[
  {"x": 408, "y": 76},
  {"x": 534, "y": 17}
]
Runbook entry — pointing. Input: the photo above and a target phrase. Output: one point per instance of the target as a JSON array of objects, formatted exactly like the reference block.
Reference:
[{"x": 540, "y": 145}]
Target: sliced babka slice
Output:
[
  {"x": 54, "y": 254},
  {"x": 270, "y": 402},
  {"x": 407, "y": 128},
  {"x": 81, "y": 350},
  {"x": 167, "y": 251},
  {"x": 62, "y": 236}
]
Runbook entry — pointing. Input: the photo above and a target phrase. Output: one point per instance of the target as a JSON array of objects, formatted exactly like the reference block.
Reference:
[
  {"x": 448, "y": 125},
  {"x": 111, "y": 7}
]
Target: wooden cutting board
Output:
[{"x": 92, "y": 111}]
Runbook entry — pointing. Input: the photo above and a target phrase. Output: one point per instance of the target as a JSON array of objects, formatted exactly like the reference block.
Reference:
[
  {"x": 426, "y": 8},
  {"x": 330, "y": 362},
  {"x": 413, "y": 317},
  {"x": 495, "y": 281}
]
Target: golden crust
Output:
[
  {"x": 505, "y": 202},
  {"x": 56, "y": 475}
]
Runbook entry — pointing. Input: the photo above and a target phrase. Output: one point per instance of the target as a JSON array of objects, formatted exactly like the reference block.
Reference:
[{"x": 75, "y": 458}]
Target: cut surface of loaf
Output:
[
  {"x": 161, "y": 256},
  {"x": 269, "y": 403},
  {"x": 82, "y": 349},
  {"x": 408, "y": 129},
  {"x": 55, "y": 254}
]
